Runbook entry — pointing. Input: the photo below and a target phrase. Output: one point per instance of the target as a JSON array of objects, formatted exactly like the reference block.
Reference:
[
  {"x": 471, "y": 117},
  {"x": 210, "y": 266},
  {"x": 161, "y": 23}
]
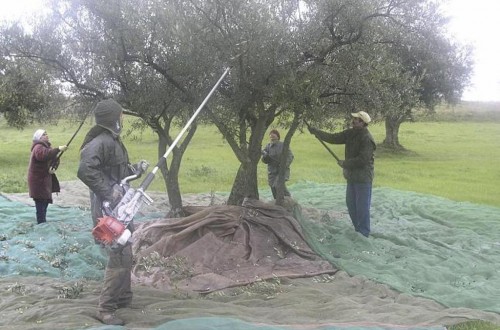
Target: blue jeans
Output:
[{"x": 358, "y": 200}]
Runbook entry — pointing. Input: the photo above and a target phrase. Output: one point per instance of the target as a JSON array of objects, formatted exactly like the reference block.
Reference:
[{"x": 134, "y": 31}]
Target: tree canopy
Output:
[
  {"x": 315, "y": 60},
  {"x": 27, "y": 93}
]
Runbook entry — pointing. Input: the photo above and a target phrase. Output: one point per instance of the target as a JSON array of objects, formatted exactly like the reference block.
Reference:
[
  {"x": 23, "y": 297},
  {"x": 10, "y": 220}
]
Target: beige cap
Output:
[{"x": 363, "y": 116}]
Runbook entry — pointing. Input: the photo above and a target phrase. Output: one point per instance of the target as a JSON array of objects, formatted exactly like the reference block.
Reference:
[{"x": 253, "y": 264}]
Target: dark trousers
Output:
[
  {"x": 41, "y": 210},
  {"x": 116, "y": 291},
  {"x": 358, "y": 200}
]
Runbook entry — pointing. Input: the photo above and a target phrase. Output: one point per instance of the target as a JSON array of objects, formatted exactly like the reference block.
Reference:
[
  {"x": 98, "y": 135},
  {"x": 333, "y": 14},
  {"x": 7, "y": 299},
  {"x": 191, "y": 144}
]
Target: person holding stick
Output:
[
  {"x": 41, "y": 182},
  {"x": 358, "y": 167}
]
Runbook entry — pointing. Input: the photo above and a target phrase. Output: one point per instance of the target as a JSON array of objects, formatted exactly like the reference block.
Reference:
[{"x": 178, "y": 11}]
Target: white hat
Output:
[
  {"x": 363, "y": 116},
  {"x": 38, "y": 134}
]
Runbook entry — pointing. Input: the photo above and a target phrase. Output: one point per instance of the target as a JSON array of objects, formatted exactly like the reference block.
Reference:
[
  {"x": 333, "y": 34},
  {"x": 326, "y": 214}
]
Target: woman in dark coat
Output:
[{"x": 41, "y": 182}]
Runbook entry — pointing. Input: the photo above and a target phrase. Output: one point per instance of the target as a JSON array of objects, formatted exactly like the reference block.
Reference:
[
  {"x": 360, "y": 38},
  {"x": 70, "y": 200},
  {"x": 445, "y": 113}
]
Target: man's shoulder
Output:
[
  {"x": 105, "y": 135},
  {"x": 102, "y": 140},
  {"x": 368, "y": 135}
]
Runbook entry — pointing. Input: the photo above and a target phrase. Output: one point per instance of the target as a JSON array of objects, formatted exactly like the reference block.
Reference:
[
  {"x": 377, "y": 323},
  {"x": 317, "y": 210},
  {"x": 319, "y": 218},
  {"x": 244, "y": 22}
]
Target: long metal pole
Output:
[{"x": 147, "y": 181}]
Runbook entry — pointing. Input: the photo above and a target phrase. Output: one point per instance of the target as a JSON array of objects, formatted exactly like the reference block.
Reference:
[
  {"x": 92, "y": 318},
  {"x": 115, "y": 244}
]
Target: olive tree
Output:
[
  {"x": 27, "y": 93},
  {"x": 313, "y": 60},
  {"x": 140, "y": 55},
  {"x": 398, "y": 59}
]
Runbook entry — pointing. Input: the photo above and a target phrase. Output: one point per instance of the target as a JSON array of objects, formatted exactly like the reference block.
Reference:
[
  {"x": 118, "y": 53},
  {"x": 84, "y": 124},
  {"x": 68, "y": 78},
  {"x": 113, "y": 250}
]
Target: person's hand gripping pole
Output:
[{"x": 313, "y": 131}]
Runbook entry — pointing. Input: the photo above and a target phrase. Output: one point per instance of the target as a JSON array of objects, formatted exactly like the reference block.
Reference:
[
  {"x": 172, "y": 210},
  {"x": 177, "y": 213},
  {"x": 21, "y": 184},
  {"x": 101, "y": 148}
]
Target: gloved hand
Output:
[
  {"x": 63, "y": 148},
  {"x": 142, "y": 165},
  {"x": 116, "y": 196},
  {"x": 139, "y": 168},
  {"x": 265, "y": 157},
  {"x": 106, "y": 208}
]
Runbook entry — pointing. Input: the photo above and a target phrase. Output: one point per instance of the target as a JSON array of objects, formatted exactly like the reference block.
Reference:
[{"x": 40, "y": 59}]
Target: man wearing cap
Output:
[
  {"x": 358, "y": 167},
  {"x": 104, "y": 163},
  {"x": 41, "y": 182}
]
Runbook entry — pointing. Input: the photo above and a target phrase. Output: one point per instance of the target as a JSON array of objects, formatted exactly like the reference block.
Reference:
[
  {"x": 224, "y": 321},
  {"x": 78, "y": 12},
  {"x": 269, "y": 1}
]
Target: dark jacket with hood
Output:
[
  {"x": 359, "y": 152},
  {"x": 103, "y": 157},
  {"x": 41, "y": 183}
]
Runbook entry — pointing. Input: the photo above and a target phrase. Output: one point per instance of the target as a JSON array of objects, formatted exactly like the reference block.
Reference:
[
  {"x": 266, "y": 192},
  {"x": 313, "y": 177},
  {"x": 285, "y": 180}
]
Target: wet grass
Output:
[
  {"x": 453, "y": 154},
  {"x": 452, "y": 159}
]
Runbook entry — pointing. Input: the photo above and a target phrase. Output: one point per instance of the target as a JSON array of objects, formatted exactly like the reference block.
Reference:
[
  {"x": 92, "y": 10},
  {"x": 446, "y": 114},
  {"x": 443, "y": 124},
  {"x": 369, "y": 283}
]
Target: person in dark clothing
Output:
[
  {"x": 358, "y": 167},
  {"x": 271, "y": 156},
  {"x": 104, "y": 163},
  {"x": 42, "y": 183}
]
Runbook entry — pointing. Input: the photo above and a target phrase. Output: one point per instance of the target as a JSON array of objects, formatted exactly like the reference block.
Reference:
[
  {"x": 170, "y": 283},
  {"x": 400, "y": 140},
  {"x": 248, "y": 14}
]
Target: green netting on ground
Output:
[
  {"x": 221, "y": 323},
  {"x": 420, "y": 244},
  {"x": 216, "y": 323},
  {"x": 63, "y": 247}
]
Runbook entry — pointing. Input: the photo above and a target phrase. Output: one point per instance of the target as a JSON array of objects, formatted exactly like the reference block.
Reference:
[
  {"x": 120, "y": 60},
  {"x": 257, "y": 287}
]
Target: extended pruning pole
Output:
[
  {"x": 151, "y": 175},
  {"x": 324, "y": 144},
  {"x": 55, "y": 163}
]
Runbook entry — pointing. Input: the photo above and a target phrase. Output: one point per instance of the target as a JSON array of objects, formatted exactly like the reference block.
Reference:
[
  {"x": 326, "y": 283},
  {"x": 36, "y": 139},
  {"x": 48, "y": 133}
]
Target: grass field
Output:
[
  {"x": 454, "y": 154},
  {"x": 456, "y": 159}
]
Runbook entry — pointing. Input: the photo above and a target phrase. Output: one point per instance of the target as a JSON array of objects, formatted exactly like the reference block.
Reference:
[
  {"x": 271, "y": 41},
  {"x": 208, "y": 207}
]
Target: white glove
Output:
[{"x": 63, "y": 148}]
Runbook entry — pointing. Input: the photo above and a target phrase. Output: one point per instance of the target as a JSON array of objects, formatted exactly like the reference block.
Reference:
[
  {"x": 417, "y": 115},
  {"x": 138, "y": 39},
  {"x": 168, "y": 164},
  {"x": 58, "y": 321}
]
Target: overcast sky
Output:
[
  {"x": 472, "y": 21},
  {"x": 478, "y": 22}
]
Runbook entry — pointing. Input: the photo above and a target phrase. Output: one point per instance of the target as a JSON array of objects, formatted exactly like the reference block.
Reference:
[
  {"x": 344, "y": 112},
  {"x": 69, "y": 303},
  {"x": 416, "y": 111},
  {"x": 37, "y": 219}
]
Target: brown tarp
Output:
[{"x": 223, "y": 246}]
